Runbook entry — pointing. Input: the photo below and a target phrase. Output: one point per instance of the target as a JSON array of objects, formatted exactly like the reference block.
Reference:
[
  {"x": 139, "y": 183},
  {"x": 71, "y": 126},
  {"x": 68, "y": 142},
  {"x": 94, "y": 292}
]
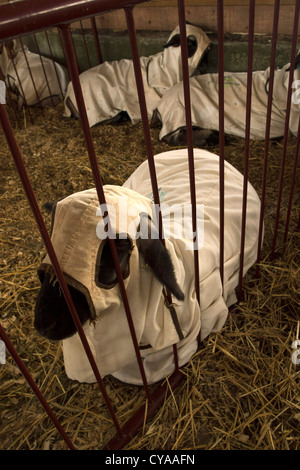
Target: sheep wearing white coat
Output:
[
  {"x": 47, "y": 84},
  {"x": 82, "y": 248},
  {"x": 109, "y": 89},
  {"x": 170, "y": 112}
]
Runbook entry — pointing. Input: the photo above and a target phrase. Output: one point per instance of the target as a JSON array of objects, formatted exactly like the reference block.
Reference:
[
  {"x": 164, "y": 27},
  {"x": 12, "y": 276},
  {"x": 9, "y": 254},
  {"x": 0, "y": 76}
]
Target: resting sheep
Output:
[
  {"x": 109, "y": 89},
  {"x": 82, "y": 248},
  {"x": 43, "y": 87},
  {"x": 170, "y": 112}
]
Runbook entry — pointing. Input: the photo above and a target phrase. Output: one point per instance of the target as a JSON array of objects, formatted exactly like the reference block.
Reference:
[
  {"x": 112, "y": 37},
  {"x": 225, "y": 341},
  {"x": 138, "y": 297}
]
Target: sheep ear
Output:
[
  {"x": 174, "y": 41},
  {"x": 156, "y": 256},
  {"x": 192, "y": 45},
  {"x": 106, "y": 275},
  {"x": 10, "y": 49},
  {"x": 297, "y": 63},
  {"x": 49, "y": 206}
]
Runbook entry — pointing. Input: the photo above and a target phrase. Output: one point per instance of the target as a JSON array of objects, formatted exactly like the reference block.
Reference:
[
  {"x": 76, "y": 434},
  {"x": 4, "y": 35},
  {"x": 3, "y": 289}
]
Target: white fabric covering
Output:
[
  {"x": 77, "y": 244},
  {"x": 110, "y": 87},
  {"x": 205, "y": 104},
  {"x": 43, "y": 87}
]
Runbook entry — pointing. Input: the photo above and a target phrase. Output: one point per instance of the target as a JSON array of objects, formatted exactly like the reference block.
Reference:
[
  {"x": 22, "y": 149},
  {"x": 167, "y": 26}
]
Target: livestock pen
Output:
[{"x": 240, "y": 390}]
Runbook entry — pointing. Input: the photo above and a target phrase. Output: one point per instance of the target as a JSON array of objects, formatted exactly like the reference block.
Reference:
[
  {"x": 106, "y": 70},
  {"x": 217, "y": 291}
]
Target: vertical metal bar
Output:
[
  {"x": 247, "y": 142},
  {"x": 146, "y": 129},
  {"x": 96, "y": 38},
  {"x": 220, "y": 15},
  {"x": 16, "y": 154},
  {"x": 31, "y": 76},
  {"x": 142, "y": 102},
  {"x": 43, "y": 67},
  {"x": 54, "y": 64},
  {"x": 85, "y": 45},
  {"x": 298, "y": 225},
  {"x": 293, "y": 182},
  {"x": 135, "y": 423},
  {"x": 268, "y": 127},
  {"x": 72, "y": 66},
  {"x": 190, "y": 145},
  {"x": 35, "y": 388},
  {"x": 22, "y": 91},
  {"x": 288, "y": 108}
]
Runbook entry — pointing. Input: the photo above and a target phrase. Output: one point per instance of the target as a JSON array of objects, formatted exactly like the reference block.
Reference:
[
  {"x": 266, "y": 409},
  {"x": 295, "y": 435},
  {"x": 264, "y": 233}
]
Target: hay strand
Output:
[{"x": 241, "y": 390}]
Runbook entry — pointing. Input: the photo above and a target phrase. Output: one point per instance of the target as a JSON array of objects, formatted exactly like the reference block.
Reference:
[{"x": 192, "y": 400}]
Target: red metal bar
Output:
[
  {"x": 22, "y": 90},
  {"x": 146, "y": 130},
  {"x": 96, "y": 38},
  {"x": 190, "y": 145},
  {"x": 85, "y": 44},
  {"x": 286, "y": 131},
  {"x": 268, "y": 126},
  {"x": 31, "y": 76},
  {"x": 135, "y": 423},
  {"x": 220, "y": 15},
  {"x": 24, "y": 16},
  {"x": 247, "y": 142},
  {"x": 43, "y": 67},
  {"x": 293, "y": 182},
  {"x": 16, "y": 154},
  {"x": 73, "y": 70},
  {"x": 54, "y": 64},
  {"x": 35, "y": 388},
  {"x": 142, "y": 103}
]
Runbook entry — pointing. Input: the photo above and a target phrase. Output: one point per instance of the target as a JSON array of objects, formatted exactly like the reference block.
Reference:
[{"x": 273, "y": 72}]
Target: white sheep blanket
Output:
[
  {"x": 110, "y": 87},
  {"x": 77, "y": 218},
  {"x": 45, "y": 75},
  {"x": 205, "y": 104}
]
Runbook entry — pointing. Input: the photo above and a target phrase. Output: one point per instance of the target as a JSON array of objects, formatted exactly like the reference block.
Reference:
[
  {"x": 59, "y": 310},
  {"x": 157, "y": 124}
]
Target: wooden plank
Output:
[
  {"x": 235, "y": 19},
  {"x": 201, "y": 3}
]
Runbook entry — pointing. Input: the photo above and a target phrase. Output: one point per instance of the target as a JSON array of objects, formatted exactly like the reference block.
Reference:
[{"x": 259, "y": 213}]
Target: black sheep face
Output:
[{"x": 53, "y": 319}]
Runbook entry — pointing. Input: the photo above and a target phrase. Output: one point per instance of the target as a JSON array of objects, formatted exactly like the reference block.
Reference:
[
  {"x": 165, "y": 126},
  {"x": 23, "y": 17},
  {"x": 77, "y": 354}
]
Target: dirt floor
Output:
[{"x": 242, "y": 387}]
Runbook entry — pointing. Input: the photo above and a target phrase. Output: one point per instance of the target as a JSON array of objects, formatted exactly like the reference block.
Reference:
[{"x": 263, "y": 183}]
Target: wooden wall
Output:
[{"x": 162, "y": 15}]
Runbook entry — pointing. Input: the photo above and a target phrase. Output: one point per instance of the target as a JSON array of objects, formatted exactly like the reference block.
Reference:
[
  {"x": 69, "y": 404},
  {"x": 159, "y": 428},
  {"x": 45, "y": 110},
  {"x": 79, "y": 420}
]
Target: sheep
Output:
[
  {"x": 170, "y": 112},
  {"x": 149, "y": 267},
  {"x": 109, "y": 89},
  {"x": 42, "y": 87}
]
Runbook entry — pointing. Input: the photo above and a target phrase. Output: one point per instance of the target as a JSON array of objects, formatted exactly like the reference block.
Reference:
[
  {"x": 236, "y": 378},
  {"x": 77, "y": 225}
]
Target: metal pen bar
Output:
[
  {"x": 54, "y": 65},
  {"x": 286, "y": 130},
  {"x": 73, "y": 70},
  {"x": 22, "y": 91},
  {"x": 147, "y": 135},
  {"x": 220, "y": 15},
  {"x": 190, "y": 145},
  {"x": 11, "y": 349},
  {"x": 16, "y": 154},
  {"x": 147, "y": 411},
  {"x": 293, "y": 182},
  {"x": 31, "y": 76},
  {"x": 28, "y": 16},
  {"x": 247, "y": 143},
  {"x": 267, "y": 135},
  {"x": 43, "y": 67},
  {"x": 96, "y": 39},
  {"x": 85, "y": 44}
]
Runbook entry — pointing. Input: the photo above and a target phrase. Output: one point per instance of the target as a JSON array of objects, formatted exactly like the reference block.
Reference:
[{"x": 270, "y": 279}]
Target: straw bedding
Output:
[{"x": 242, "y": 387}]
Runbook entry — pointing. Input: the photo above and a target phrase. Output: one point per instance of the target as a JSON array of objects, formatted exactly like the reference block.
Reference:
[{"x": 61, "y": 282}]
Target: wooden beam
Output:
[{"x": 165, "y": 18}]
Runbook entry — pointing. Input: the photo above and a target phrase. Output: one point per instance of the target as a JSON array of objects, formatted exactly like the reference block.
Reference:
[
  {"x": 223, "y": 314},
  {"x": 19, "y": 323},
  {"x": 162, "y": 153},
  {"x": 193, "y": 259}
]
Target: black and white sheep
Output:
[
  {"x": 170, "y": 112},
  {"x": 80, "y": 241},
  {"x": 109, "y": 89},
  {"x": 44, "y": 84}
]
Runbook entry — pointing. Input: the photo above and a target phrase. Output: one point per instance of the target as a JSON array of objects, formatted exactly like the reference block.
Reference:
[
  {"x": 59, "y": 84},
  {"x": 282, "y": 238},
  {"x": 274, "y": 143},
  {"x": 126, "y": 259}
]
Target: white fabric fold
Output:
[{"x": 75, "y": 236}]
